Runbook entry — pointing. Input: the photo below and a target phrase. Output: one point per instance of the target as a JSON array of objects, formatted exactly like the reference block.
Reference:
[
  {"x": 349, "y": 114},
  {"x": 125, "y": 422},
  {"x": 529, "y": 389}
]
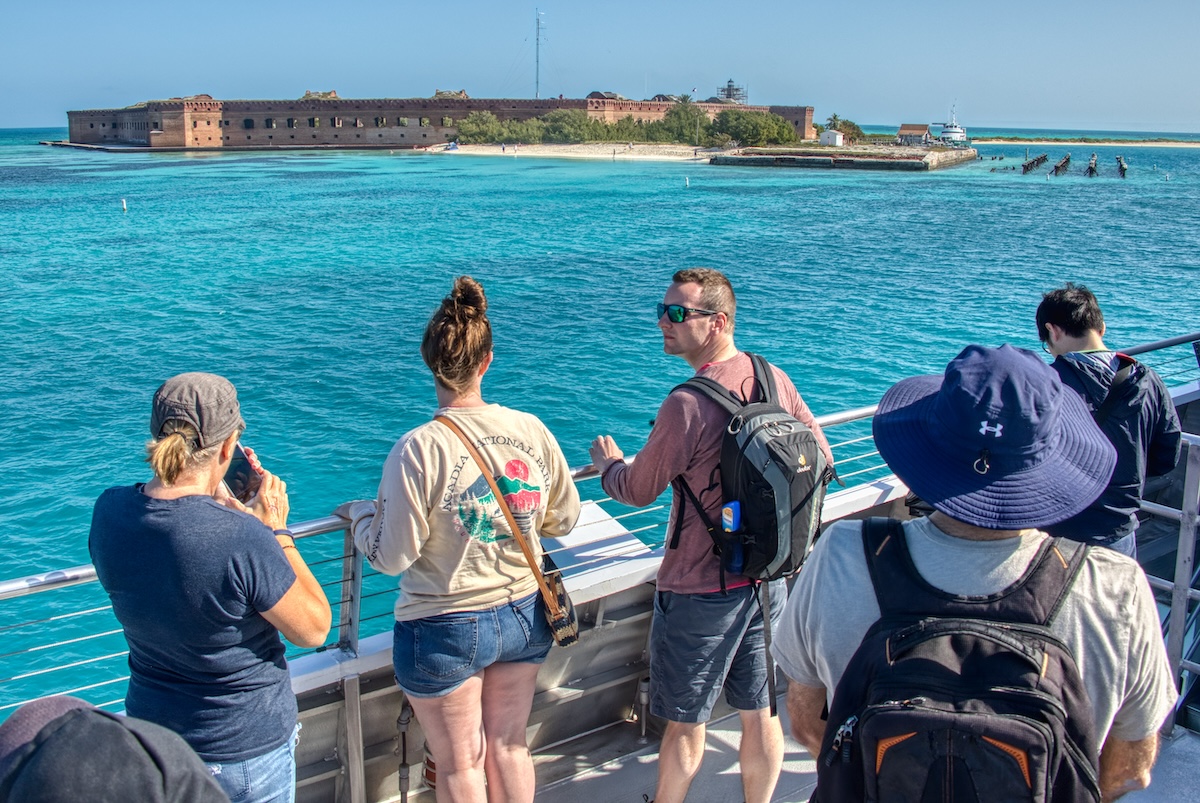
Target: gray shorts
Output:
[{"x": 703, "y": 643}]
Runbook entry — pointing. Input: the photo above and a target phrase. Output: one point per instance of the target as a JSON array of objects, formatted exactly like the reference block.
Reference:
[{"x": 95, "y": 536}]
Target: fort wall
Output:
[{"x": 204, "y": 122}]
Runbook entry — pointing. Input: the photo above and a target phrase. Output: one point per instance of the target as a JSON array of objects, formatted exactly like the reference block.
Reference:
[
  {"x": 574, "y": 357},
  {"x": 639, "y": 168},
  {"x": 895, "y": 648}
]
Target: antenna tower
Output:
[{"x": 537, "y": 57}]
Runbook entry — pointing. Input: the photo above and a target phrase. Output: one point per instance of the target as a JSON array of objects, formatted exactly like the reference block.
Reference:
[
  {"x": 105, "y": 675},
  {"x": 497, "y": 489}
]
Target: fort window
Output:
[
  {"x": 380, "y": 122},
  {"x": 336, "y": 121},
  {"x": 195, "y": 123},
  {"x": 314, "y": 122},
  {"x": 424, "y": 122},
  {"x": 247, "y": 123},
  {"x": 208, "y": 122},
  {"x": 447, "y": 122},
  {"x": 269, "y": 122},
  {"x": 291, "y": 123},
  {"x": 91, "y": 125},
  {"x": 403, "y": 121},
  {"x": 358, "y": 122}
]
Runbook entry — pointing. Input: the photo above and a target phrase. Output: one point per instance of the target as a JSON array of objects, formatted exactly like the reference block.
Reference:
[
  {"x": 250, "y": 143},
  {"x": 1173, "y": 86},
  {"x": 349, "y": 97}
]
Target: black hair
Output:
[{"x": 1072, "y": 308}]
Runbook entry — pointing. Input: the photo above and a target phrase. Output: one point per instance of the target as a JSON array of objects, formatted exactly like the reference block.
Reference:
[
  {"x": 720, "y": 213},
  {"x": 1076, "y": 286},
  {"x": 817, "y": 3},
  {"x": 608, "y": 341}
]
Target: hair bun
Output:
[{"x": 466, "y": 299}]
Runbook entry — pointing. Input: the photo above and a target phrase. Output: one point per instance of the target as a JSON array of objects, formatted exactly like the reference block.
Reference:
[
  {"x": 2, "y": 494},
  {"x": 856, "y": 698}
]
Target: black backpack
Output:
[
  {"x": 952, "y": 698},
  {"x": 773, "y": 466}
]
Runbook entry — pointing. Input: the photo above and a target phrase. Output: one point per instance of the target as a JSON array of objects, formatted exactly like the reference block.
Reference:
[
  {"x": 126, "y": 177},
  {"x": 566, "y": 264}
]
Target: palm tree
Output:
[
  {"x": 685, "y": 99},
  {"x": 833, "y": 122}
]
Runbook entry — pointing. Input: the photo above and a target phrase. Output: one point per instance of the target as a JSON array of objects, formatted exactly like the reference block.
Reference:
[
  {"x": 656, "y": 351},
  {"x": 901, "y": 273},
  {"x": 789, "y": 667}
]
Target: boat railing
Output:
[
  {"x": 55, "y": 643},
  {"x": 1179, "y": 623}
]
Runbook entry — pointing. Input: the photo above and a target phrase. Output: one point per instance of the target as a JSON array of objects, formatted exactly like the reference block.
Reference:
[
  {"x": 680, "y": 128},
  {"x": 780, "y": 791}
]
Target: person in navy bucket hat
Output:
[
  {"x": 1001, "y": 449},
  {"x": 997, "y": 442}
]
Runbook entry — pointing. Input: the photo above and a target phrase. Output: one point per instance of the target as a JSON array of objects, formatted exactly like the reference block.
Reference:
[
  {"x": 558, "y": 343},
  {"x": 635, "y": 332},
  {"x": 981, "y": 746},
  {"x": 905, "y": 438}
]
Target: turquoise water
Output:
[{"x": 307, "y": 279}]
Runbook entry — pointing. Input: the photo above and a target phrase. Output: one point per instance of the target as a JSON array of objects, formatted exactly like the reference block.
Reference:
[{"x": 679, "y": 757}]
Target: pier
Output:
[
  {"x": 1063, "y": 165},
  {"x": 1034, "y": 163},
  {"x": 853, "y": 158}
]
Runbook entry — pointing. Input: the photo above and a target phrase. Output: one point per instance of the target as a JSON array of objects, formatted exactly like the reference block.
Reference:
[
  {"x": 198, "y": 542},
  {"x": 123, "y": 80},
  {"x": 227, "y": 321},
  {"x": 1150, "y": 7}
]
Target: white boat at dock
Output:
[{"x": 953, "y": 134}]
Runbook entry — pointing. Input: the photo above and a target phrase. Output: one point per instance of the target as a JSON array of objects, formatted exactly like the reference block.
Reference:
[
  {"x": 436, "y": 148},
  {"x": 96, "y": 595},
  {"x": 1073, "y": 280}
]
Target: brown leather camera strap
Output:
[{"x": 547, "y": 594}]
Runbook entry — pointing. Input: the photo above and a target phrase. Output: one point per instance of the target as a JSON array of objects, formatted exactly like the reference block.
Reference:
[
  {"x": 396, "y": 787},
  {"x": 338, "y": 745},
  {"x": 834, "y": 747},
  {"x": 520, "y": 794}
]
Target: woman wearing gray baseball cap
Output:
[{"x": 203, "y": 586}]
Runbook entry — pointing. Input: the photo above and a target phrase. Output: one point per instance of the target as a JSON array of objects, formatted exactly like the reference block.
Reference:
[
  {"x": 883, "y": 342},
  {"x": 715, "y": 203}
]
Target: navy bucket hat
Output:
[{"x": 997, "y": 442}]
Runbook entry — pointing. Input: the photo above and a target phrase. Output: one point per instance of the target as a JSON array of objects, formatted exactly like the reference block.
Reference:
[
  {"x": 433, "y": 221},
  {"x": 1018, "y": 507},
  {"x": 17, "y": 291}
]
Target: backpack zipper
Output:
[{"x": 843, "y": 740}]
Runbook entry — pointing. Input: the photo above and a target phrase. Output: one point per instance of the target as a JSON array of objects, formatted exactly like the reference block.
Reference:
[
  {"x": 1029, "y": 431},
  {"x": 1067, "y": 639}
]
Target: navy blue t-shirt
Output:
[{"x": 188, "y": 579}]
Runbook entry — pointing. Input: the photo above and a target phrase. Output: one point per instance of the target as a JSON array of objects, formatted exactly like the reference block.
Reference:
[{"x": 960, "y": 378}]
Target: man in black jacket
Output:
[{"x": 1139, "y": 418}]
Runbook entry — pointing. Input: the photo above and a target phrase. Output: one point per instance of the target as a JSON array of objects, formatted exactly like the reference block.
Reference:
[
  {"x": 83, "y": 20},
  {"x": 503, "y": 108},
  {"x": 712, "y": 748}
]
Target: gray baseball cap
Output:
[{"x": 206, "y": 401}]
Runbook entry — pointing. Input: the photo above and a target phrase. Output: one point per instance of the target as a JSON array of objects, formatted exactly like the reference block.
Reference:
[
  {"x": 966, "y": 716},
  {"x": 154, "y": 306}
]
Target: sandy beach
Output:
[
  {"x": 617, "y": 152},
  {"x": 623, "y": 152}
]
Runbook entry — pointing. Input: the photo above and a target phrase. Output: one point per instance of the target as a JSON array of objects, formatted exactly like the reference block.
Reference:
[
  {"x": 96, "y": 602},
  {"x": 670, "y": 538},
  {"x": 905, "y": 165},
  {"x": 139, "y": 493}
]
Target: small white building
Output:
[{"x": 832, "y": 136}]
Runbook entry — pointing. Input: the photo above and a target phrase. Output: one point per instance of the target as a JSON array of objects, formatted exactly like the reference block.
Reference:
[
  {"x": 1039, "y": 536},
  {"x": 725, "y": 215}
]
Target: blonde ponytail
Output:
[{"x": 174, "y": 454}]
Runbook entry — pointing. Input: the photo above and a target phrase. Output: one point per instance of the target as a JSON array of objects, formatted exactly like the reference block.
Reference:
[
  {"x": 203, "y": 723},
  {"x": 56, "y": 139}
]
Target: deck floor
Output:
[{"x": 627, "y": 778}]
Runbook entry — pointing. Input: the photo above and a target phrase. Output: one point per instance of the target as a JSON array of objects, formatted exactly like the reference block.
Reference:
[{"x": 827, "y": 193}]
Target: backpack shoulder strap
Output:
[
  {"x": 714, "y": 390},
  {"x": 765, "y": 378},
  {"x": 877, "y": 533},
  {"x": 1035, "y": 598}
]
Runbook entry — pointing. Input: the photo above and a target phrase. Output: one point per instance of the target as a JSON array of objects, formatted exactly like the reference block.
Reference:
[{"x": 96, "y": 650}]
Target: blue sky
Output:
[{"x": 1100, "y": 65}]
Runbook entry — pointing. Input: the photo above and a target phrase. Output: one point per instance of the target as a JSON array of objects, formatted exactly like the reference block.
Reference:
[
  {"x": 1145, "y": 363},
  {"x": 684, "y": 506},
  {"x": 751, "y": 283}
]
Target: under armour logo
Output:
[{"x": 984, "y": 428}]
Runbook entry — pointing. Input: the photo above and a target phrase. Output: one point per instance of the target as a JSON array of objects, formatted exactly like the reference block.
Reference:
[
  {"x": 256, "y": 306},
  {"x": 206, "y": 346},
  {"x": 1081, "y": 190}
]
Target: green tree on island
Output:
[
  {"x": 753, "y": 128},
  {"x": 849, "y": 128},
  {"x": 685, "y": 123}
]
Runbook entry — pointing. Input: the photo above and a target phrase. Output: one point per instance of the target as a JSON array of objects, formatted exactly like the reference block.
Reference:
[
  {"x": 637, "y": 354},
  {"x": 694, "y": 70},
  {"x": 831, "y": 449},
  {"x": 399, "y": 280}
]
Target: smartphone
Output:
[{"x": 241, "y": 480}]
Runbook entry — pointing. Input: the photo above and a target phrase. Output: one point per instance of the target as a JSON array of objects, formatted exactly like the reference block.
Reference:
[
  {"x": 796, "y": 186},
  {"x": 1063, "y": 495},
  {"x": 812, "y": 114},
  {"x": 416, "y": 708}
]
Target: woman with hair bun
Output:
[
  {"x": 203, "y": 587},
  {"x": 471, "y": 629}
]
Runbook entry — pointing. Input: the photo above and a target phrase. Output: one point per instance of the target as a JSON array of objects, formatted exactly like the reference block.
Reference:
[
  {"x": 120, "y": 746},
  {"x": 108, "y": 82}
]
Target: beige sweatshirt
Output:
[{"x": 437, "y": 521}]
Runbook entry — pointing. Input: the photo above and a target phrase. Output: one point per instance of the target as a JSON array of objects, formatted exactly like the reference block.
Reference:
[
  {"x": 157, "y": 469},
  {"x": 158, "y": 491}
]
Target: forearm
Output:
[
  {"x": 317, "y": 615},
  {"x": 1125, "y": 766},
  {"x": 805, "y": 704}
]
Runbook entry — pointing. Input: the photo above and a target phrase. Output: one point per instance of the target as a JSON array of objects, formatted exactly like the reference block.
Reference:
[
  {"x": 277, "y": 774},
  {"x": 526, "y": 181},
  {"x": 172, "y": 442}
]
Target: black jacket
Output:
[{"x": 1144, "y": 427}]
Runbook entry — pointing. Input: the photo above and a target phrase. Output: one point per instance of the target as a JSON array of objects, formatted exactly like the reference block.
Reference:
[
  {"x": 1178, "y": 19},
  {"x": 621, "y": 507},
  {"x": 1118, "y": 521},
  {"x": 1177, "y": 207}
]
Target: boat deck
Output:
[{"x": 629, "y": 777}]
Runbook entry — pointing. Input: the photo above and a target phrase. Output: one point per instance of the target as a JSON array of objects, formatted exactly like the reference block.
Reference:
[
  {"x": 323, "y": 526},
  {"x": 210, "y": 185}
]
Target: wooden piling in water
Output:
[{"x": 1035, "y": 162}]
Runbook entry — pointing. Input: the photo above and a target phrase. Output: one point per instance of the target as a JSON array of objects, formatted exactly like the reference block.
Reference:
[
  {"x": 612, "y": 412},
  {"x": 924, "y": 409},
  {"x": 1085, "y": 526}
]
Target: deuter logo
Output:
[{"x": 985, "y": 428}]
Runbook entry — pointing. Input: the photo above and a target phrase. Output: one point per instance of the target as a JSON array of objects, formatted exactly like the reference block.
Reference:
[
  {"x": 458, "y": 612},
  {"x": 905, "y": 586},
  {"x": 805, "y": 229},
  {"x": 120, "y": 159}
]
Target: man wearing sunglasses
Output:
[{"x": 702, "y": 640}]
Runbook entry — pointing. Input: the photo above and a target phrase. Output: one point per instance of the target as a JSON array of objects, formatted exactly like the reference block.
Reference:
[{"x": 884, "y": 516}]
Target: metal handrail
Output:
[
  {"x": 1162, "y": 344},
  {"x": 354, "y": 570}
]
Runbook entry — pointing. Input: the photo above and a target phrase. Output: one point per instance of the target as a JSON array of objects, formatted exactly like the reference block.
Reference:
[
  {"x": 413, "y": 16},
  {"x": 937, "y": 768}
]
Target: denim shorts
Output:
[
  {"x": 703, "y": 643},
  {"x": 269, "y": 778},
  {"x": 435, "y": 655}
]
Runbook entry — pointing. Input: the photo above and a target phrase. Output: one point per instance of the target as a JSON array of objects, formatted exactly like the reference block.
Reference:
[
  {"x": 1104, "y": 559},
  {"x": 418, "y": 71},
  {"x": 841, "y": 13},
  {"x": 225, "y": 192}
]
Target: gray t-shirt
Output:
[{"x": 1109, "y": 621}]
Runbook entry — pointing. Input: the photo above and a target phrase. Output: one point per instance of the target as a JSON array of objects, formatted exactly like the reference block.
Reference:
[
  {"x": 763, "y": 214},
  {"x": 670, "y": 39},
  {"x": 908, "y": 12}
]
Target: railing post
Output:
[
  {"x": 1184, "y": 559},
  {"x": 351, "y": 607},
  {"x": 353, "y": 788}
]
